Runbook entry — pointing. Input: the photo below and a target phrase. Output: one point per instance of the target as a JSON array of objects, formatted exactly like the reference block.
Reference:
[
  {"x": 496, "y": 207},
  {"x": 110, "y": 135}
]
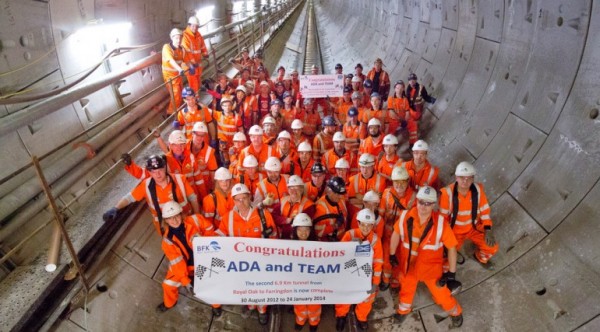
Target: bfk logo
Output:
[
  {"x": 213, "y": 246},
  {"x": 362, "y": 250}
]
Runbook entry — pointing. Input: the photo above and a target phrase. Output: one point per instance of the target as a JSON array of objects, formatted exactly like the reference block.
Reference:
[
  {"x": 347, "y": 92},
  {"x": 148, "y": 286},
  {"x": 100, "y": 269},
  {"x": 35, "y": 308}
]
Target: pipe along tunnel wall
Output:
[{"x": 517, "y": 87}]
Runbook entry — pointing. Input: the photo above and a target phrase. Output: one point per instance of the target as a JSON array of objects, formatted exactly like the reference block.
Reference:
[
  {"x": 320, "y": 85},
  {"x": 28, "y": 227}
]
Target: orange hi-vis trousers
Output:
[
  {"x": 361, "y": 310},
  {"x": 312, "y": 312},
  {"x": 441, "y": 295}
]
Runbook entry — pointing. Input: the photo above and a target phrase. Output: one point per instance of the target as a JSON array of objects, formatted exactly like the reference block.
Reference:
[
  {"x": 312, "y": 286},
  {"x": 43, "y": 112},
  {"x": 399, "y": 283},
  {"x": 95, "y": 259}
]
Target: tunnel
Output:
[{"x": 517, "y": 94}]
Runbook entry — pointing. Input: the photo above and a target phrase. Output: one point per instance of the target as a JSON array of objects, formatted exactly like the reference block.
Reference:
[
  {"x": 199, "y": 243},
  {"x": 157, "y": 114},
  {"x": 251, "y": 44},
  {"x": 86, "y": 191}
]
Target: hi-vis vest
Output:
[
  {"x": 465, "y": 214},
  {"x": 428, "y": 255}
]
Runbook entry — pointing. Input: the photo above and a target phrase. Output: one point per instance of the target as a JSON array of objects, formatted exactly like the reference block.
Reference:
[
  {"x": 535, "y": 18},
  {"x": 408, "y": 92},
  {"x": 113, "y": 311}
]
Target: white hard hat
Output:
[
  {"x": 356, "y": 79},
  {"x": 284, "y": 134},
  {"x": 268, "y": 120},
  {"x": 223, "y": 174},
  {"x": 420, "y": 145},
  {"x": 239, "y": 137},
  {"x": 250, "y": 161},
  {"x": 427, "y": 194},
  {"x": 193, "y": 20},
  {"x": 339, "y": 137},
  {"x": 302, "y": 219},
  {"x": 342, "y": 163},
  {"x": 170, "y": 209},
  {"x": 175, "y": 32},
  {"x": 273, "y": 164},
  {"x": 177, "y": 137},
  {"x": 390, "y": 139},
  {"x": 304, "y": 147},
  {"x": 200, "y": 127},
  {"x": 225, "y": 99},
  {"x": 374, "y": 122},
  {"x": 399, "y": 173},
  {"x": 371, "y": 196},
  {"x": 295, "y": 180},
  {"x": 238, "y": 189},
  {"x": 366, "y": 159},
  {"x": 465, "y": 168},
  {"x": 256, "y": 130},
  {"x": 241, "y": 88},
  {"x": 366, "y": 216},
  {"x": 297, "y": 124}
]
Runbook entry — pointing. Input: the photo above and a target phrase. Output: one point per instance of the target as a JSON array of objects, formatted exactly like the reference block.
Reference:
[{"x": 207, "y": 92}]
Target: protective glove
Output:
[
  {"x": 111, "y": 214},
  {"x": 403, "y": 124},
  {"x": 181, "y": 72},
  {"x": 490, "y": 240},
  {"x": 190, "y": 289},
  {"x": 176, "y": 125},
  {"x": 214, "y": 144},
  {"x": 268, "y": 201},
  {"x": 373, "y": 289},
  {"x": 192, "y": 70},
  {"x": 340, "y": 220},
  {"x": 448, "y": 279},
  {"x": 433, "y": 100},
  {"x": 394, "y": 260},
  {"x": 126, "y": 159}
]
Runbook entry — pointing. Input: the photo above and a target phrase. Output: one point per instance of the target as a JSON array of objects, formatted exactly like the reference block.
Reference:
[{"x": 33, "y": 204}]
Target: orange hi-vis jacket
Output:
[
  {"x": 375, "y": 241},
  {"x": 372, "y": 146},
  {"x": 169, "y": 53},
  {"x": 234, "y": 224},
  {"x": 311, "y": 120},
  {"x": 288, "y": 165},
  {"x": 464, "y": 212},
  {"x": 331, "y": 157},
  {"x": 393, "y": 204},
  {"x": 179, "y": 257},
  {"x": 312, "y": 192},
  {"x": 289, "y": 209},
  {"x": 384, "y": 82},
  {"x": 427, "y": 176},
  {"x": 350, "y": 131},
  {"x": 265, "y": 152},
  {"x": 278, "y": 190},
  {"x": 251, "y": 183},
  {"x": 194, "y": 45},
  {"x": 385, "y": 167},
  {"x": 178, "y": 189},
  {"x": 248, "y": 111},
  {"x": 305, "y": 171},
  {"x": 215, "y": 205},
  {"x": 296, "y": 141},
  {"x": 427, "y": 255},
  {"x": 359, "y": 185},
  {"x": 342, "y": 110},
  {"x": 379, "y": 225},
  {"x": 321, "y": 143},
  {"x": 288, "y": 116},
  {"x": 364, "y": 117},
  {"x": 206, "y": 162},
  {"x": 228, "y": 125},
  {"x": 187, "y": 118},
  {"x": 331, "y": 220},
  {"x": 400, "y": 105}
]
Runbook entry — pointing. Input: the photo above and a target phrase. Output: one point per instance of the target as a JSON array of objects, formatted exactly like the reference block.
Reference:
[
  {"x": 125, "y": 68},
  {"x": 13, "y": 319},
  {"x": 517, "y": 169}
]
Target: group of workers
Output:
[{"x": 261, "y": 161}]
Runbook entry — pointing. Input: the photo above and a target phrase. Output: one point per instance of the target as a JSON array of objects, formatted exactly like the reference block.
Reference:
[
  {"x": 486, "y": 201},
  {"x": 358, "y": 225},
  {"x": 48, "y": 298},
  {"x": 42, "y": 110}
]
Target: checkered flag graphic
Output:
[
  {"x": 351, "y": 264},
  {"x": 200, "y": 271},
  {"x": 216, "y": 262},
  {"x": 367, "y": 269}
]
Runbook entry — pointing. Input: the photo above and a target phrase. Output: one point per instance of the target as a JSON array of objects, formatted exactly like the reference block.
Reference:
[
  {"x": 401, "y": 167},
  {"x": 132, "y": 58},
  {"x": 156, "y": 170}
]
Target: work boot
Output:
[
  {"x": 362, "y": 326},
  {"x": 314, "y": 328},
  {"x": 383, "y": 286},
  {"x": 400, "y": 318},
  {"x": 298, "y": 327},
  {"x": 487, "y": 265},
  {"x": 263, "y": 319},
  {"x": 217, "y": 311},
  {"x": 456, "y": 321},
  {"x": 162, "y": 307},
  {"x": 340, "y": 323}
]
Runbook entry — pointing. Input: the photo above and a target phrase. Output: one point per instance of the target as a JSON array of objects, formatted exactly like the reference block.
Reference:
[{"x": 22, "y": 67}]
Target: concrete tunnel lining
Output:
[{"x": 516, "y": 84}]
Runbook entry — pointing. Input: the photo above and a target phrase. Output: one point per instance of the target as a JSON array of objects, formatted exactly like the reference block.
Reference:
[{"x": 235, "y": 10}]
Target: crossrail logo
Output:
[{"x": 362, "y": 250}]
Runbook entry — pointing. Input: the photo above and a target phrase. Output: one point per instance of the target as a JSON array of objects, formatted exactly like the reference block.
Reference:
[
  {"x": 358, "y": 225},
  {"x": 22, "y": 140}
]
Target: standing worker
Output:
[
  {"x": 421, "y": 172},
  {"x": 380, "y": 78},
  {"x": 173, "y": 67},
  {"x": 417, "y": 96},
  {"x": 422, "y": 235},
  {"x": 465, "y": 207},
  {"x": 193, "y": 43}
]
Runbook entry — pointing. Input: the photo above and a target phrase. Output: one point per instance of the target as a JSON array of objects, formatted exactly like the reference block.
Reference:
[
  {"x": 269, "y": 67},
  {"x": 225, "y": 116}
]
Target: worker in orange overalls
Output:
[
  {"x": 399, "y": 103},
  {"x": 239, "y": 143},
  {"x": 192, "y": 113},
  {"x": 342, "y": 169},
  {"x": 417, "y": 96},
  {"x": 395, "y": 199},
  {"x": 270, "y": 126},
  {"x": 311, "y": 119},
  {"x": 366, "y": 180},
  {"x": 342, "y": 106},
  {"x": 177, "y": 246},
  {"x": 194, "y": 45},
  {"x": 338, "y": 151},
  {"x": 366, "y": 94},
  {"x": 288, "y": 111},
  {"x": 421, "y": 235},
  {"x": 305, "y": 161},
  {"x": 297, "y": 135},
  {"x": 390, "y": 158},
  {"x": 373, "y": 112},
  {"x": 371, "y": 201},
  {"x": 249, "y": 174},
  {"x": 315, "y": 187},
  {"x": 456, "y": 205},
  {"x": 290, "y": 206},
  {"x": 158, "y": 189},
  {"x": 287, "y": 155},
  {"x": 269, "y": 191},
  {"x": 380, "y": 78},
  {"x": 246, "y": 106},
  {"x": 323, "y": 141},
  {"x": 373, "y": 144},
  {"x": 331, "y": 215},
  {"x": 421, "y": 172},
  {"x": 364, "y": 232},
  {"x": 244, "y": 61},
  {"x": 244, "y": 220},
  {"x": 228, "y": 123},
  {"x": 358, "y": 72},
  {"x": 303, "y": 231},
  {"x": 351, "y": 129},
  {"x": 258, "y": 148},
  {"x": 216, "y": 204},
  {"x": 174, "y": 59},
  {"x": 204, "y": 157}
]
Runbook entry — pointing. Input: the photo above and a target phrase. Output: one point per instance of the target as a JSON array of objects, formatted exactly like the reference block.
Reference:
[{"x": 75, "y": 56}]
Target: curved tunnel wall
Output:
[{"x": 516, "y": 84}]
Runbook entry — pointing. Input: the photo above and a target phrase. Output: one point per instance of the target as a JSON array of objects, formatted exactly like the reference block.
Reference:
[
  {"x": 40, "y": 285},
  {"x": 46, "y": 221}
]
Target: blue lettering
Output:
[{"x": 243, "y": 266}]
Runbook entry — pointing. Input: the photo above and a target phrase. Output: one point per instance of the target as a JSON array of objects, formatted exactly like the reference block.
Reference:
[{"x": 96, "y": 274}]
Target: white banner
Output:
[
  {"x": 320, "y": 86},
  {"x": 231, "y": 270}
]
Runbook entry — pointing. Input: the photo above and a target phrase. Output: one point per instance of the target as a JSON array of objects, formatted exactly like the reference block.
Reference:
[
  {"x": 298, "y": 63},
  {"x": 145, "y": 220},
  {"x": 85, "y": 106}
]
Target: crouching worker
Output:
[
  {"x": 364, "y": 232},
  {"x": 177, "y": 246},
  {"x": 302, "y": 230},
  {"x": 422, "y": 235}
]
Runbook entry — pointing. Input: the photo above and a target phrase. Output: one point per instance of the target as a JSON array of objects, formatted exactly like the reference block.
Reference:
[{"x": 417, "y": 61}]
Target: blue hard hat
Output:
[
  {"x": 187, "y": 92},
  {"x": 352, "y": 111},
  {"x": 368, "y": 83},
  {"x": 328, "y": 121},
  {"x": 376, "y": 95}
]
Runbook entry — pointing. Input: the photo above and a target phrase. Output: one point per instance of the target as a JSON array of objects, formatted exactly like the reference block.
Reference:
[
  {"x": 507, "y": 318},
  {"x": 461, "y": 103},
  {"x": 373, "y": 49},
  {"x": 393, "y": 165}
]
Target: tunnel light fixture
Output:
[{"x": 97, "y": 30}]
